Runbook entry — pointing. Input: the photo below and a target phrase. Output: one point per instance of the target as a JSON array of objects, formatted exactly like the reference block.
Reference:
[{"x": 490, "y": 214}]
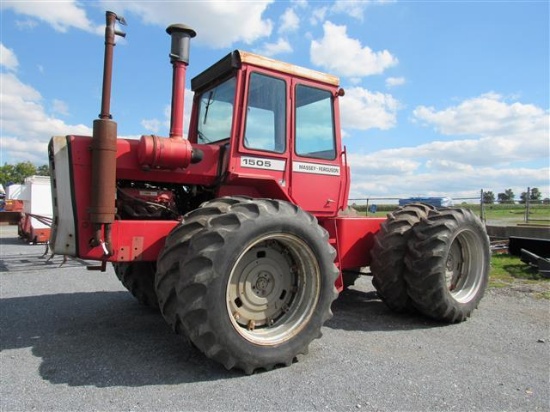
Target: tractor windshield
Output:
[{"x": 216, "y": 113}]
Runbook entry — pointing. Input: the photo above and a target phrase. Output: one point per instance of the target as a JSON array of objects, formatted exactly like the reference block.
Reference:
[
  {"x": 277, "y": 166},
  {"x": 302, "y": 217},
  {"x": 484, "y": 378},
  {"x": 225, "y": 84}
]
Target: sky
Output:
[{"x": 443, "y": 98}]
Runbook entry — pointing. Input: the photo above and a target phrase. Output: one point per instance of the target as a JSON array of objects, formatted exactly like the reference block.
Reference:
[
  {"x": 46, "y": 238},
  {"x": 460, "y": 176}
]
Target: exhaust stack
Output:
[
  {"x": 174, "y": 152},
  {"x": 102, "y": 208},
  {"x": 179, "y": 57}
]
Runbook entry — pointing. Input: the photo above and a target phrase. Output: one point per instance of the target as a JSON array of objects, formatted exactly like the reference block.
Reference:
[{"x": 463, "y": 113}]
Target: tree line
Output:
[
  {"x": 508, "y": 197},
  {"x": 16, "y": 174}
]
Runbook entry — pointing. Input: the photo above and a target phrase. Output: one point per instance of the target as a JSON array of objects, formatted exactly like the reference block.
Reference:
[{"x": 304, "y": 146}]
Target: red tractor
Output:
[{"x": 240, "y": 234}]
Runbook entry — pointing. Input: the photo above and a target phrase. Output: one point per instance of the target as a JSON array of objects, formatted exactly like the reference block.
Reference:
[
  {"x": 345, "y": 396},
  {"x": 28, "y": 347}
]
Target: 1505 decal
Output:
[{"x": 262, "y": 163}]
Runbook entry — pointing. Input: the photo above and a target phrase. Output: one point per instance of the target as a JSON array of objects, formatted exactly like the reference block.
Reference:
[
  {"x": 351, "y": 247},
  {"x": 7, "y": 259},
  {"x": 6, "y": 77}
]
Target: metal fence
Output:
[{"x": 528, "y": 211}]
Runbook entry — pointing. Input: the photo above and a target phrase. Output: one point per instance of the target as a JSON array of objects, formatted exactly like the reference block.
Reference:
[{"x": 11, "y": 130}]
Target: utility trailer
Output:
[{"x": 239, "y": 234}]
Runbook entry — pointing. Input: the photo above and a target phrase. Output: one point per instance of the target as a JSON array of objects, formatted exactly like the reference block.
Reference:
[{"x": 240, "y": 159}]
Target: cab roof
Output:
[{"x": 235, "y": 60}]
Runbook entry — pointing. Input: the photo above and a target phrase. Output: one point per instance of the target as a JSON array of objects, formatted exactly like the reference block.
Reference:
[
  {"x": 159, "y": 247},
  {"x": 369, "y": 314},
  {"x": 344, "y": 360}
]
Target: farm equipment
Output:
[
  {"x": 532, "y": 251},
  {"x": 29, "y": 205},
  {"x": 239, "y": 232}
]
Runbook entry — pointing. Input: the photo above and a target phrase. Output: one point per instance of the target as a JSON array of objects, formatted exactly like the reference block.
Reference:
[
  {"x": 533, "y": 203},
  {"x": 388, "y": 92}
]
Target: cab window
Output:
[
  {"x": 216, "y": 113},
  {"x": 266, "y": 114},
  {"x": 314, "y": 123}
]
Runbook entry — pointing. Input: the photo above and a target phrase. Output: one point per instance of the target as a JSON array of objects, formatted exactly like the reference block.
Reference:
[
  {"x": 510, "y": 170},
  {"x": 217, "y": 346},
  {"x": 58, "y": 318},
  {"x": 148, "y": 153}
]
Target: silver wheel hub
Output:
[
  {"x": 464, "y": 267},
  {"x": 273, "y": 289}
]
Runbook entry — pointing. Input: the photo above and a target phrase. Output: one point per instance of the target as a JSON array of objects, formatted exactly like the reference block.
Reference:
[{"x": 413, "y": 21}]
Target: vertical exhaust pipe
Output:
[
  {"x": 104, "y": 143},
  {"x": 175, "y": 152},
  {"x": 179, "y": 57}
]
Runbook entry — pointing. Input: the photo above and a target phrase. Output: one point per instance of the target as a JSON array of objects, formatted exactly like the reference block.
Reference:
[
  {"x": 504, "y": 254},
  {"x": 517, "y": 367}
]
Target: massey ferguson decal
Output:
[{"x": 316, "y": 168}]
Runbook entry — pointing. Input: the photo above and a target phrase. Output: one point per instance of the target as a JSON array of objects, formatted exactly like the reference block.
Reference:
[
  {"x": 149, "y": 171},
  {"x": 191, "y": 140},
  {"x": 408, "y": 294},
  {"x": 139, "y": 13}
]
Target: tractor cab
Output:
[{"x": 278, "y": 130}]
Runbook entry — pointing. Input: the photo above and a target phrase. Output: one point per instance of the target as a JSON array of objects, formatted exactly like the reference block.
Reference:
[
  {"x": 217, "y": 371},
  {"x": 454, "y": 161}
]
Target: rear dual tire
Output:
[
  {"x": 436, "y": 261},
  {"x": 388, "y": 255},
  {"x": 448, "y": 265}
]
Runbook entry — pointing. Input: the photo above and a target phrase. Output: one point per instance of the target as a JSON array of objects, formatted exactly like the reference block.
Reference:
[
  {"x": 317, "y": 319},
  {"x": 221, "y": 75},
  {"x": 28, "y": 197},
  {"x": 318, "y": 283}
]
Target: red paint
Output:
[
  {"x": 354, "y": 238},
  {"x": 178, "y": 90},
  {"x": 125, "y": 233},
  {"x": 129, "y": 168},
  {"x": 162, "y": 153},
  {"x": 30, "y": 233},
  {"x": 229, "y": 167}
]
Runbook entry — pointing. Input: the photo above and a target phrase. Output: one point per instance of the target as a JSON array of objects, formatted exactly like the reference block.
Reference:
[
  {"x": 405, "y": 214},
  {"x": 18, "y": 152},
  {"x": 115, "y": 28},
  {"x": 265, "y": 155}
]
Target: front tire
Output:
[
  {"x": 139, "y": 279},
  {"x": 448, "y": 264},
  {"x": 249, "y": 282}
]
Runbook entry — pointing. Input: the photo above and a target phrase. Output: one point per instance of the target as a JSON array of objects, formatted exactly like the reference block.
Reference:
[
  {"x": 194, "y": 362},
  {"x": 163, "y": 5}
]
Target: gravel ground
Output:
[{"x": 75, "y": 340}]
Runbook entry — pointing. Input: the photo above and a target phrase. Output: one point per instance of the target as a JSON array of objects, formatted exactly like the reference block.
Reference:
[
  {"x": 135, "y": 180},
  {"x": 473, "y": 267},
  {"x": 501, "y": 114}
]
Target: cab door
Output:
[
  {"x": 259, "y": 163},
  {"x": 316, "y": 170}
]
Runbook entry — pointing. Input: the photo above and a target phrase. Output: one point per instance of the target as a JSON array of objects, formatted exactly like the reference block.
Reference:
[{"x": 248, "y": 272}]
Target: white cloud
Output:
[
  {"x": 272, "y": 49},
  {"x": 488, "y": 114},
  {"x": 353, "y": 8},
  {"x": 460, "y": 182},
  {"x": 17, "y": 150},
  {"x": 362, "y": 109},
  {"x": 26, "y": 128},
  {"x": 218, "y": 24},
  {"x": 11, "y": 86},
  {"x": 162, "y": 127},
  {"x": 8, "y": 59},
  {"x": 27, "y": 24},
  {"x": 60, "y": 107},
  {"x": 487, "y": 151},
  {"x": 502, "y": 138},
  {"x": 318, "y": 15},
  {"x": 289, "y": 21},
  {"x": 215, "y": 22},
  {"x": 300, "y": 3},
  {"x": 342, "y": 55},
  {"x": 151, "y": 125},
  {"x": 61, "y": 17},
  {"x": 446, "y": 165},
  {"x": 395, "y": 81},
  {"x": 374, "y": 164},
  {"x": 508, "y": 132}
]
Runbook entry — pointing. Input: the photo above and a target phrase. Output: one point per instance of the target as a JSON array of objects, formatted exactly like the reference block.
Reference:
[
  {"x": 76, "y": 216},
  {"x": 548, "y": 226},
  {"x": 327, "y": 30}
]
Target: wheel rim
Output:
[
  {"x": 273, "y": 289},
  {"x": 465, "y": 266}
]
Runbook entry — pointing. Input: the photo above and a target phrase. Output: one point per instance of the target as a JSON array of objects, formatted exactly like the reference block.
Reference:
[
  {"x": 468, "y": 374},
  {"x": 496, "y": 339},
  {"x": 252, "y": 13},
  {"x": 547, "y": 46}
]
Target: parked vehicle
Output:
[{"x": 237, "y": 232}]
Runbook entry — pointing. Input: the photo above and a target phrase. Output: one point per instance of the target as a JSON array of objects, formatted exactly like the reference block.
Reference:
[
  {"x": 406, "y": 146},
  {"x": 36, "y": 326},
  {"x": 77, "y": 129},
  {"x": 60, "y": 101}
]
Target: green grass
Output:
[
  {"x": 537, "y": 213},
  {"x": 508, "y": 271}
]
